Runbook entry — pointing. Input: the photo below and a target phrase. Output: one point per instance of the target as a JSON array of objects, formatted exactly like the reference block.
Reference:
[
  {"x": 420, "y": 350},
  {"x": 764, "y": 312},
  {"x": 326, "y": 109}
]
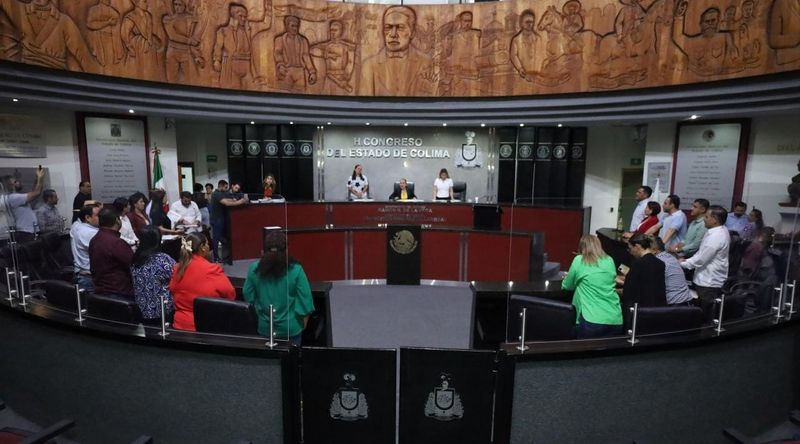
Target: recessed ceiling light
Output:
[
  {"x": 328, "y": 123},
  {"x": 367, "y": 124},
  {"x": 444, "y": 124},
  {"x": 694, "y": 116},
  {"x": 131, "y": 111},
  {"x": 560, "y": 125},
  {"x": 291, "y": 123},
  {"x": 252, "y": 122},
  {"x": 521, "y": 124},
  {"x": 15, "y": 100},
  {"x": 405, "y": 124},
  {"x": 483, "y": 125}
]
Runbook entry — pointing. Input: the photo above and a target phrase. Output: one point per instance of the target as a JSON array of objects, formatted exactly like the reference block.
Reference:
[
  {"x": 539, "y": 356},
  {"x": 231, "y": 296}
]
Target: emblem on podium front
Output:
[
  {"x": 525, "y": 151},
  {"x": 403, "y": 242},
  {"x": 506, "y": 150},
  {"x": 444, "y": 403},
  {"x": 348, "y": 403}
]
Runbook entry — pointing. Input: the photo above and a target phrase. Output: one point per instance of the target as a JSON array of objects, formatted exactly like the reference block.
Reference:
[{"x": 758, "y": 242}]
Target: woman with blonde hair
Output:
[
  {"x": 592, "y": 276},
  {"x": 195, "y": 276}
]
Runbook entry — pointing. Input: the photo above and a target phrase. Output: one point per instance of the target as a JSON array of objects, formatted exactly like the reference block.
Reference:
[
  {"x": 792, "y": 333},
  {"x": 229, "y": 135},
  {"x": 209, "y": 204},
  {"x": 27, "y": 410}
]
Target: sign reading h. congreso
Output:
[{"x": 388, "y": 147}]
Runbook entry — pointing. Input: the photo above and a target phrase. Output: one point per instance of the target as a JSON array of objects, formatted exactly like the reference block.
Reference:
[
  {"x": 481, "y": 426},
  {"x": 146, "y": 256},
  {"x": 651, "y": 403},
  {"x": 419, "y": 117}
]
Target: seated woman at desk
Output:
[
  {"x": 279, "y": 281},
  {"x": 403, "y": 192},
  {"x": 644, "y": 283},
  {"x": 357, "y": 184},
  {"x": 592, "y": 276},
  {"x": 270, "y": 186},
  {"x": 443, "y": 186},
  {"x": 196, "y": 276}
]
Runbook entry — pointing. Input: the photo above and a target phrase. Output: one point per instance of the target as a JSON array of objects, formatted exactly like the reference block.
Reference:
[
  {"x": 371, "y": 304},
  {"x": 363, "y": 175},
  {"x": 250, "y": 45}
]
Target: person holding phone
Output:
[{"x": 18, "y": 205}]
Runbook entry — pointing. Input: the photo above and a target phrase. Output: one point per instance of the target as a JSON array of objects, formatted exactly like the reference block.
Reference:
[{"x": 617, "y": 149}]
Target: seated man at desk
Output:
[{"x": 403, "y": 192}]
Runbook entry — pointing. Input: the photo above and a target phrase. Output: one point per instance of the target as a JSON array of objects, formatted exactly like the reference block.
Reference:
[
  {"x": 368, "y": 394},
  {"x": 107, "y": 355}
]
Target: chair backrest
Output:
[
  {"x": 113, "y": 308},
  {"x": 409, "y": 187},
  {"x": 172, "y": 248},
  {"x": 460, "y": 190},
  {"x": 652, "y": 320},
  {"x": 547, "y": 320},
  {"x": 216, "y": 315},
  {"x": 62, "y": 294}
]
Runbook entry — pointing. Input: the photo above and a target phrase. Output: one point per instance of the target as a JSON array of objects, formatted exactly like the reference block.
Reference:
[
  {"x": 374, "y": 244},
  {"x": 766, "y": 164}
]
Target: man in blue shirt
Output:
[
  {"x": 673, "y": 224},
  {"x": 737, "y": 220}
]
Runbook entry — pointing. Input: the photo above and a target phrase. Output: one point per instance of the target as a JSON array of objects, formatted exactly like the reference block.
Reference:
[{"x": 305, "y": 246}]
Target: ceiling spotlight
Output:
[
  {"x": 694, "y": 116},
  {"x": 252, "y": 122},
  {"x": 483, "y": 125},
  {"x": 131, "y": 111},
  {"x": 328, "y": 123},
  {"x": 560, "y": 125},
  {"x": 15, "y": 100},
  {"x": 367, "y": 124},
  {"x": 521, "y": 124},
  {"x": 444, "y": 124},
  {"x": 291, "y": 123},
  {"x": 405, "y": 124}
]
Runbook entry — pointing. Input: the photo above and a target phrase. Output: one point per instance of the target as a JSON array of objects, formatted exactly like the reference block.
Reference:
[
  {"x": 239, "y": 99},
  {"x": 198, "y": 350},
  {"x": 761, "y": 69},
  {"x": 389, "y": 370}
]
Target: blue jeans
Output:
[
  {"x": 84, "y": 282},
  {"x": 588, "y": 330},
  {"x": 296, "y": 341}
]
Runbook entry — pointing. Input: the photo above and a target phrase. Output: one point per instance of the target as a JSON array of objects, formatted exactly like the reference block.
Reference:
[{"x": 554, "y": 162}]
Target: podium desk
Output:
[{"x": 562, "y": 225}]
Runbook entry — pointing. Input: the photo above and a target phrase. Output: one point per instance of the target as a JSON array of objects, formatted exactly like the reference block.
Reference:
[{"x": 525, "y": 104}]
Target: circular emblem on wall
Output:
[
  {"x": 254, "y": 149},
  {"x": 506, "y": 150},
  {"x": 559, "y": 152},
  {"x": 403, "y": 242},
  {"x": 543, "y": 152},
  {"x": 288, "y": 149},
  {"x": 708, "y": 135},
  {"x": 577, "y": 152},
  {"x": 525, "y": 151},
  {"x": 272, "y": 149},
  {"x": 237, "y": 148},
  {"x": 306, "y": 149}
]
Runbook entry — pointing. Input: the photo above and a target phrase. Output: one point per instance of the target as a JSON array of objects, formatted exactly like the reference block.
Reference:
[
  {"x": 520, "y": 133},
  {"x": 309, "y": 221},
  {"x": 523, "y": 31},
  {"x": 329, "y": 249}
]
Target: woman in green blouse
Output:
[
  {"x": 279, "y": 280},
  {"x": 592, "y": 275}
]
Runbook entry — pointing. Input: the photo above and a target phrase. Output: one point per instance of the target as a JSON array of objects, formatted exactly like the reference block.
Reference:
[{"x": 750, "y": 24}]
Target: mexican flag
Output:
[{"x": 158, "y": 174}]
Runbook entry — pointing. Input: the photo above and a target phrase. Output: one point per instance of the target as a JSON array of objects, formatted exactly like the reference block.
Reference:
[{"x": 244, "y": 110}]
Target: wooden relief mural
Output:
[{"x": 471, "y": 50}]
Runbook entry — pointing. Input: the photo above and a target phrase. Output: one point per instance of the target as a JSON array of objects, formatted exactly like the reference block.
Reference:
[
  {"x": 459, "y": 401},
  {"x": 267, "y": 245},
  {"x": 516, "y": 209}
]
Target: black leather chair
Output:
[
  {"x": 216, "y": 315},
  {"x": 460, "y": 191},
  {"x": 113, "y": 308},
  {"x": 31, "y": 260},
  {"x": 653, "y": 320},
  {"x": 57, "y": 255},
  {"x": 547, "y": 320},
  {"x": 172, "y": 248},
  {"x": 409, "y": 187},
  {"x": 62, "y": 294}
]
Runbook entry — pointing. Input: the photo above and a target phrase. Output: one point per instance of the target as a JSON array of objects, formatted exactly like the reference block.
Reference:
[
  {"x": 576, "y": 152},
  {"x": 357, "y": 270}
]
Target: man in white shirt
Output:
[
  {"x": 673, "y": 225},
  {"x": 642, "y": 197},
  {"x": 711, "y": 260},
  {"x": 81, "y": 234},
  {"x": 185, "y": 212},
  {"x": 19, "y": 205}
]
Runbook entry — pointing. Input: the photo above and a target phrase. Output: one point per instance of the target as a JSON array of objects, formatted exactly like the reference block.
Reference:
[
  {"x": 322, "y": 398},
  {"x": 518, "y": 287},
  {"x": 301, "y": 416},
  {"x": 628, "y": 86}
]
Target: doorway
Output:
[
  {"x": 631, "y": 181},
  {"x": 186, "y": 182}
]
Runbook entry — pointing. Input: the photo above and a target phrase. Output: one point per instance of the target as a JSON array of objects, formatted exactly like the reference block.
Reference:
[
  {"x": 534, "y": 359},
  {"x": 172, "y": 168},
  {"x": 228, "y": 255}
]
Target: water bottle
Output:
[{"x": 620, "y": 225}]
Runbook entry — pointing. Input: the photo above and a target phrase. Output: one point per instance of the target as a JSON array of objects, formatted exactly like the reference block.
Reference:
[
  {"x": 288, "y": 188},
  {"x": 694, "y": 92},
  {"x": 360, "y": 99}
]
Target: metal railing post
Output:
[
  {"x": 632, "y": 331},
  {"x": 779, "y": 306},
  {"x": 524, "y": 315},
  {"x": 271, "y": 342},
  {"x": 78, "y": 292},
  {"x": 790, "y": 304},
  {"x": 721, "y": 301},
  {"x": 163, "y": 333}
]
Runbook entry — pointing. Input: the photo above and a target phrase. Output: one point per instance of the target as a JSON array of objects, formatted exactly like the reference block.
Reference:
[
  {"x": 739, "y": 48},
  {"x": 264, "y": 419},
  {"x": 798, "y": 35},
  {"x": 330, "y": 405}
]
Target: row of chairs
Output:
[
  {"x": 211, "y": 315},
  {"x": 551, "y": 320},
  {"x": 47, "y": 257}
]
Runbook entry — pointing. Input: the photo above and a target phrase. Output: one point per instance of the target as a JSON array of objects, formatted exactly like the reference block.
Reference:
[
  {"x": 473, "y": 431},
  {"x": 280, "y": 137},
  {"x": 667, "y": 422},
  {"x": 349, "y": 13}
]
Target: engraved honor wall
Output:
[{"x": 344, "y": 49}]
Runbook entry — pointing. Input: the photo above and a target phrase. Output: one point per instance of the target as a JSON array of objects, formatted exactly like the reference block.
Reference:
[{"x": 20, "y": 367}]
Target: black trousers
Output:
[{"x": 707, "y": 299}]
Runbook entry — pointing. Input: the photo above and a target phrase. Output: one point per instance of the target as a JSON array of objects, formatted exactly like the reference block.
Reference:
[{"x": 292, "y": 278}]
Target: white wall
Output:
[
  {"x": 609, "y": 150},
  {"x": 195, "y": 141},
  {"x": 774, "y": 149},
  {"x": 61, "y": 140}
]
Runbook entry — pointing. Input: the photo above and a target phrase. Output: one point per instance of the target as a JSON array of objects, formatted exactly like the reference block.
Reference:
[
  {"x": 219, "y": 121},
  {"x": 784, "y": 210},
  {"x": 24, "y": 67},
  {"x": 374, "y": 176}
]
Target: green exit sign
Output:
[
  {"x": 636, "y": 161},
  {"x": 211, "y": 158}
]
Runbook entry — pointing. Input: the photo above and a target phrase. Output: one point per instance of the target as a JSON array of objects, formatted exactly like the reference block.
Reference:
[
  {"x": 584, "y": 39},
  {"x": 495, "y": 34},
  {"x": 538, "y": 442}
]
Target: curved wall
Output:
[{"x": 517, "y": 48}]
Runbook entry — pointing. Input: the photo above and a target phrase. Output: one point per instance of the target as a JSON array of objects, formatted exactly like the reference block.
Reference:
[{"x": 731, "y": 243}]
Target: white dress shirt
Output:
[
  {"x": 711, "y": 260},
  {"x": 81, "y": 234},
  {"x": 638, "y": 214},
  {"x": 126, "y": 232},
  {"x": 190, "y": 215}
]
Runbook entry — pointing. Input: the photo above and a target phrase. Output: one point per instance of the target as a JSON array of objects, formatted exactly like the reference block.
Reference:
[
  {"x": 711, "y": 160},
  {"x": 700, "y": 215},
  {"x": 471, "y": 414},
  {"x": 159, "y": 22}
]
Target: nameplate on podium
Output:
[{"x": 404, "y": 243}]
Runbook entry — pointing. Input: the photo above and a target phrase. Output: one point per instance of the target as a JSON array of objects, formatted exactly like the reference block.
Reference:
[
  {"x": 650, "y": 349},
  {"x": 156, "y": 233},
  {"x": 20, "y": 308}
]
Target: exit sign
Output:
[{"x": 211, "y": 158}]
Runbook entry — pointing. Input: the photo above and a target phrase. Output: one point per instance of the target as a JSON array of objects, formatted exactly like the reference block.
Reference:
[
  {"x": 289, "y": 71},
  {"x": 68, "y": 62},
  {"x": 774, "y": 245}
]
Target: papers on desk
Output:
[
  {"x": 268, "y": 200},
  {"x": 363, "y": 200}
]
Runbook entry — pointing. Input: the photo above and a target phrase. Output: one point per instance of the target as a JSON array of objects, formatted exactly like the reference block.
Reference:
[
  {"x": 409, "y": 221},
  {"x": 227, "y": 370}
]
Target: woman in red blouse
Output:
[
  {"x": 650, "y": 223},
  {"x": 195, "y": 276},
  {"x": 137, "y": 216}
]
